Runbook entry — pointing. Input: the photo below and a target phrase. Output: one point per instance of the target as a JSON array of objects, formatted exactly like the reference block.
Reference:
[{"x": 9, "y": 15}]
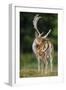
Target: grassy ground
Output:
[
  {"x": 28, "y": 67},
  {"x": 35, "y": 73}
]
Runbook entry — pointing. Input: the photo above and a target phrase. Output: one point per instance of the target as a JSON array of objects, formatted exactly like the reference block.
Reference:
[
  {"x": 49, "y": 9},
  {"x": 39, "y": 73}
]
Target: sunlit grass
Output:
[{"x": 34, "y": 73}]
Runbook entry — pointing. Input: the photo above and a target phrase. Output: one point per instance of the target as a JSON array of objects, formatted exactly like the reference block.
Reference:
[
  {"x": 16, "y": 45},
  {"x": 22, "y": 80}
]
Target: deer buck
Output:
[{"x": 42, "y": 48}]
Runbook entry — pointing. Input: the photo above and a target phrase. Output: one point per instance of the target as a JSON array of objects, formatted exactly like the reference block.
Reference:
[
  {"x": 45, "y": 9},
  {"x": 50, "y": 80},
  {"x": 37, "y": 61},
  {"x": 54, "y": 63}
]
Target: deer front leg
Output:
[
  {"x": 38, "y": 65},
  {"x": 46, "y": 67},
  {"x": 51, "y": 63}
]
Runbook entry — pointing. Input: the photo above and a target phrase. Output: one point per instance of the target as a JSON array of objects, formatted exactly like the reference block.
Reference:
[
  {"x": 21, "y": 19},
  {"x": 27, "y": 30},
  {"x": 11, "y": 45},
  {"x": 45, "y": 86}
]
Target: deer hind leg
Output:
[
  {"x": 38, "y": 65},
  {"x": 42, "y": 67}
]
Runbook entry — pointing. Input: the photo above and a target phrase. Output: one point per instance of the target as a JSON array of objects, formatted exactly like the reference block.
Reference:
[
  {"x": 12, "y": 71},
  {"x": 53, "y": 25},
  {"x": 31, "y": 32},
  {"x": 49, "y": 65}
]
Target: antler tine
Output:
[
  {"x": 47, "y": 34},
  {"x": 35, "y": 20},
  {"x": 41, "y": 34}
]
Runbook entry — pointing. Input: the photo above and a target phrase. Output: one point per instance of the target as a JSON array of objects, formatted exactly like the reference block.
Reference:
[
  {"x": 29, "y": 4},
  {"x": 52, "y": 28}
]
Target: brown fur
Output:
[{"x": 42, "y": 48}]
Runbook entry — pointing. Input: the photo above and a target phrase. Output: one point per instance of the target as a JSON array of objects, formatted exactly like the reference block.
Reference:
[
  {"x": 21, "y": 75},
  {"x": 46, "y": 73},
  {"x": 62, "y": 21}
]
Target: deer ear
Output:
[{"x": 36, "y": 34}]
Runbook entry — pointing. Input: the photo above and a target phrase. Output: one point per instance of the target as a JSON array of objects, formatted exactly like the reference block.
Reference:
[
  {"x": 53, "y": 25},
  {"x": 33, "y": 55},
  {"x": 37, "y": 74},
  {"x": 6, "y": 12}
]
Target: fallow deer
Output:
[{"x": 42, "y": 48}]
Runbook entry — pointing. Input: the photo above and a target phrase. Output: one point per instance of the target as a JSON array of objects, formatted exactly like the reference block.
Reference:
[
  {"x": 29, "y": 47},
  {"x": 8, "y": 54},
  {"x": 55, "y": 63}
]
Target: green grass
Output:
[{"x": 28, "y": 66}]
